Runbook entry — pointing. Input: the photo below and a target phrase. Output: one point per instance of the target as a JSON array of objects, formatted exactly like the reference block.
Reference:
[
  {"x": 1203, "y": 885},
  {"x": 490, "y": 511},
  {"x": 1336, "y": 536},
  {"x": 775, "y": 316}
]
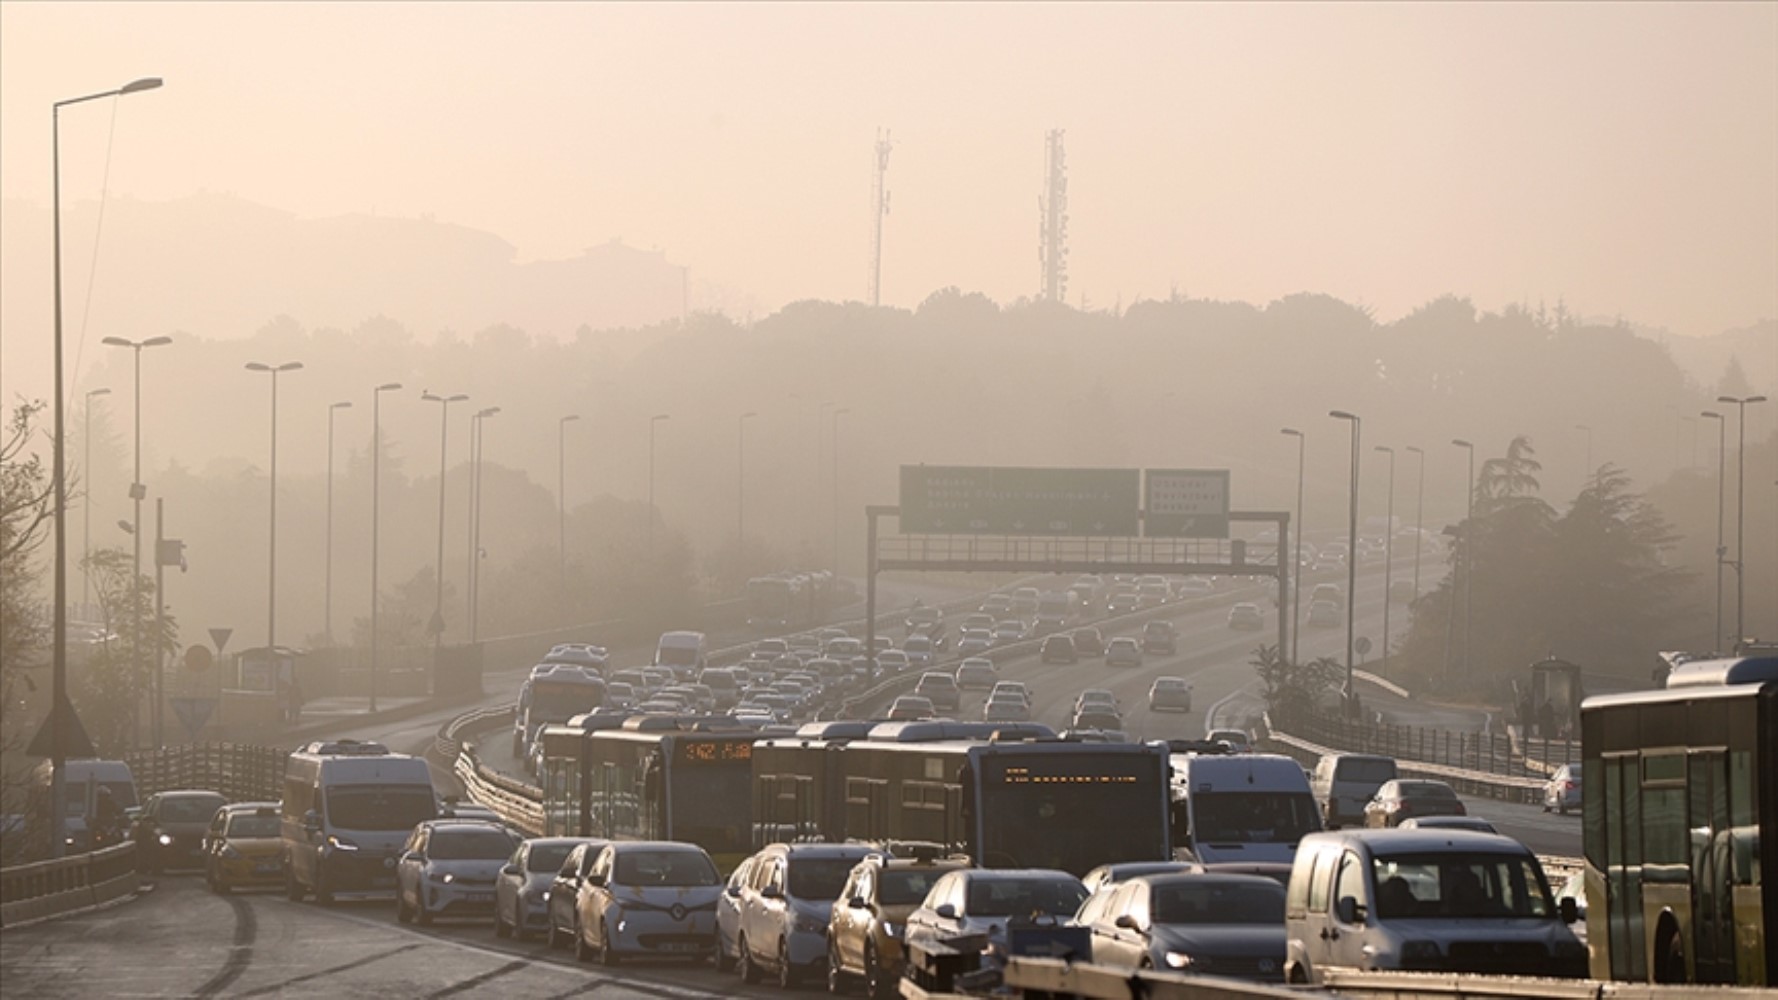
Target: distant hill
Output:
[{"x": 1705, "y": 359}]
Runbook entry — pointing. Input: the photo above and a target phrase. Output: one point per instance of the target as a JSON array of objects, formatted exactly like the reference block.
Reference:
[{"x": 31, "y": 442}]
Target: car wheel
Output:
[
  {"x": 323, "y": 895},
  {"x": 554, "y": 937},
  {"x": 583, "y": 952},
  {"x": 744, "y": 962},
  {"x": 879, "y": 985},
  {"x": 293, "y": 890},
  {"x": 608, "y": 955},
  {"x": 721, "y": 958},
  {"x": 836, "y": 977},
  {"x": 402, "y": 915},
  {"x": 786, "y": 972},
  {"x": 1561, "y": 810},
  {"x": 422, "y": 915},
  {"x": 501, "y": 928}
]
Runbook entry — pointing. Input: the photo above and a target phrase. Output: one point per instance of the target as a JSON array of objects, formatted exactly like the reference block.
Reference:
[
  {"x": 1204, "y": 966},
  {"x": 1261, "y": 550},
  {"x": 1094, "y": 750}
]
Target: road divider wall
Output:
[{"x": 44, "y": 889}]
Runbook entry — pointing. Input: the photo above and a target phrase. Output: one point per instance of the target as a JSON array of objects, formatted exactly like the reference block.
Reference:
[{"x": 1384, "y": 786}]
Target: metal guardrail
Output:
[
  {"x": 1490, "y": 753},
  {"x": 1054, "y": 977},
  {"x": 1448, "y": 986},
  {"x": 43, "y": 889}
]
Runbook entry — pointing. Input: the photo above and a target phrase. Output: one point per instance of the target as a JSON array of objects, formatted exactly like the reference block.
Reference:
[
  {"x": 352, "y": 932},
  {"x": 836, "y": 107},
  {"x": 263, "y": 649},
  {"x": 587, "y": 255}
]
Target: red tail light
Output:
[{"x": 1568, "y": 786}]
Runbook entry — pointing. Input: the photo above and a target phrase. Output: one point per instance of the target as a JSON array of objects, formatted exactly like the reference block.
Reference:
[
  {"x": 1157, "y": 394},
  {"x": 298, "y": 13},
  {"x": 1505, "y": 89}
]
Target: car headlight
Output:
[
  {"x": 438, "y": 876},
  {"x": 1179, "y": 960},
  {"x": 546, "y": 895},
  {"x": 166, "y": 839}
]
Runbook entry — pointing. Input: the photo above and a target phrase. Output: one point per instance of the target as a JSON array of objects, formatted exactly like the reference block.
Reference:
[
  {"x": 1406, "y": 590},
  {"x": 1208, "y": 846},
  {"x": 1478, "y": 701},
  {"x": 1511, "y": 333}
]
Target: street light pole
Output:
[
  {"x": 376, "y": 502},
  {"x": 86, "y": 543},
  {"x": 138, "y": 492},
  {"x": 1722, "y": 457},
  {"x": 327, "y": 613},
  {"x": 475, "y": 520},
  {"x": 836, "y": 488},
  {"x": 1388, "y": 554},
  {"x": 653, "y": 422},
  {"x": 741, "y": 491},
  {"x": 1296, "y": 571},
  {"x": 271, "y": 611},
  {"x": 562, "y": 496},
  {"x": 1741, "y": 515},
  {"x": 1467, "y": 540},
  {"x": 1419, "y": 516},
  {"x": 444, "y": 415},
  {"x": 60, "y": 711},
  {"x": 1351, "y": 551}
]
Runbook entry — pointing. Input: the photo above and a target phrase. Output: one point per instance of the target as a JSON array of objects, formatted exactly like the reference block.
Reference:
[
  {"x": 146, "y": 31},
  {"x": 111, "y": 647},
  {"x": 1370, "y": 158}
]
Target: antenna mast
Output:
[
  {"x": 879, "y": 208},
  {"x": 1052, "y": 250}
]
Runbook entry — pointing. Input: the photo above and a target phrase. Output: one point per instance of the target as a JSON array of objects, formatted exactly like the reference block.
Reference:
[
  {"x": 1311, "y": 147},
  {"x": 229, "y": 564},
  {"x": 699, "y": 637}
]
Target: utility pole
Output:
[
  {"x": 1722, "y": 457},
  {"x": 879, "y": 208},
  {"x": 1052, "y": 250}
]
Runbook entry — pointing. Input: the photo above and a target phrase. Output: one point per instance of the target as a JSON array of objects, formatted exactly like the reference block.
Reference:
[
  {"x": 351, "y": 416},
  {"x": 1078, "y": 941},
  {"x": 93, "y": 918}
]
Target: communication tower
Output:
[
  {"x": 879, "y": 208},
  {"x": 1052, "y": 249}
]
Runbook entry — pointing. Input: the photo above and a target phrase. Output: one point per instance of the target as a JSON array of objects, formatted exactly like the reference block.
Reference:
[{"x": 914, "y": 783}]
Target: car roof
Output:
[
  {"x": 813, "y": 850},
  {"x": 235, "y": 807},
  {"x": 1211, "y": 877},
  {"x": 1420, "y": 841},
  {"x": 463, "y": 823}
]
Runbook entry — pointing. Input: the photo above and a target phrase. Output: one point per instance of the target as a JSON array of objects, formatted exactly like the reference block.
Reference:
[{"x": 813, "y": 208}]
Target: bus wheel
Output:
[{"x": 1670, "y": 963}]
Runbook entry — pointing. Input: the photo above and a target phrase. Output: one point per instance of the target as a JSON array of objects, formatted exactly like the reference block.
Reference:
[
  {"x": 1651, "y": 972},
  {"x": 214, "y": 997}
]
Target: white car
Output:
[
  {"x": 648, "y": 898},
  {"x": 786, "y": 904},
  {"x": 728, "y": 915},
  {"x": 448, "y": 868},
  {"x": 1123, "y": 651},
  {"x": 521, "y": 894},
  {"x": 984, "y": 901}
]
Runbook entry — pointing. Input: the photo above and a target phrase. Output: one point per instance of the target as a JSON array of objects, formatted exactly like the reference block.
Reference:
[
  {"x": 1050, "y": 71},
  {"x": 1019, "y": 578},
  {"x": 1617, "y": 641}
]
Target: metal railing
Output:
[
  {"x": 41, "y": 889},
  {"x": 241, "y": 772},
  {"x": 1489, "y": 753}
]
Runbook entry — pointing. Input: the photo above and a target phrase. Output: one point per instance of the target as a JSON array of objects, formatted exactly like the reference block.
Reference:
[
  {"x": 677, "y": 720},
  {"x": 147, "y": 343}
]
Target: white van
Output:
[
  {"x": 681, "y": 652},
  {"x": 348, "y": 808},
  {"x": 82, "y": 780},
  {"x": 1449, "y": 901},
  {"x": 1241, "y": 808},
  {"x": 1344, "y": 782}
]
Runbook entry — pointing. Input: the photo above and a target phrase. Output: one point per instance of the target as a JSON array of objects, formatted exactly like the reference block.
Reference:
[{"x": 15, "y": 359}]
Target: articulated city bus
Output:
[
  {"x": 655, "y": 778},
  {"x": 1019, "y": 803},
  {"x": 1680, "y": 813}
]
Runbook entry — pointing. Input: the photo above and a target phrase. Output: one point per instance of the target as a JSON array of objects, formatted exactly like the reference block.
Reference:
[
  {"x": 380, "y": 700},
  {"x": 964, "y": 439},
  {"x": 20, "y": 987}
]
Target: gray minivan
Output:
[
  {"x": 1344, "y": 782},
  {"x": 1424, "y": 900}
]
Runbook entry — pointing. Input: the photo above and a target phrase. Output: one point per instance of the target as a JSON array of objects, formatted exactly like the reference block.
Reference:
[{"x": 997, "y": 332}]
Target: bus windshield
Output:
[{"x": 379, "y": 807}]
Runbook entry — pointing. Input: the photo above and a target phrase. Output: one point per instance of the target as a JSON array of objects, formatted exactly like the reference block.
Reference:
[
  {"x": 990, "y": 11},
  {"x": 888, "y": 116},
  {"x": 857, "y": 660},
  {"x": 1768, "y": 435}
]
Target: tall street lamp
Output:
[
  {"x": 562, "y": 496},
  {"x": 327, "y": 589},
  {"x": 137, "y": 493},
  {"x": 1419, "y": 515},
  {"x": 1467, "y": 560},
  {"x": 60, "y": 712},
  {"x": 376, "y": 503},
  {"x": 1351, "y": 550},
  {"x": 653, "y": 422},
  {"x": 437, "y": 624},
  {"x": 1722, "y": 457},
  {"x": 1741, "y": 514},
  {"x": 86, "y": 542},
  {"x": 1296, "y": 571},
  {"x": 475, "y": 516},
  {"x": 741, "y": 489},
  {"x": 837, "y": 414},
  {"x": 271, "y": 607},
  {"x": 1388, "y": 553}
]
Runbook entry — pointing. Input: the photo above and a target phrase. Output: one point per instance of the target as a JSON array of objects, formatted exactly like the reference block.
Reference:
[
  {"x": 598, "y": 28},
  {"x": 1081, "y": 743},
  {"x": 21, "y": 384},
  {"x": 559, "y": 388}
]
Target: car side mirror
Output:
[
  {"x": 771, "y": 892},
  {"x": 1128, "y": 922},
  {"x": 509, "y": 869},
  {"x": 594, "y": 878},
  {"x": 312, "y": 821},
  {"x": 858, "y": 903},
  {"x": 1569, "y": 909},
  {"x": 946, "y": 911},
  {"x": 1348, "y": 911},
  {"x": 733, "y": 892},
  {"x": 411, "y": 856}
]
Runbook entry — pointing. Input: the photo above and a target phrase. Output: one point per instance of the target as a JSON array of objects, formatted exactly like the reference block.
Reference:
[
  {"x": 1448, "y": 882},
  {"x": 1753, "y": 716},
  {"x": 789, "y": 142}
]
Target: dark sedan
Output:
[
  {"x": 170, "y": 831},
  {"x": 1216, "y": 925},
  {"x": 1397, "y": 800}
]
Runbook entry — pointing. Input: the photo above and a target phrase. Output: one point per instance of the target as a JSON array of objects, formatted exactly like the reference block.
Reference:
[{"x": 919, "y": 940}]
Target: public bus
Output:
[
  {"x": 1020, "y": 802},
  {"x": 787, "y": 600},
  {"x": 1679, "y": 814},
  {"x": 655, "y": 778}
]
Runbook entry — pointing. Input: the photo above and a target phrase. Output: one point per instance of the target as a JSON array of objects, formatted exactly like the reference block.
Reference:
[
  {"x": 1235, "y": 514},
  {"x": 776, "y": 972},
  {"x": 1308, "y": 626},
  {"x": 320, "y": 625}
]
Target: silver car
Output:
[
  {"x": 1562, "y": 791},
  {"x": 448, "y": 869},
  {"x": 521, "y": 893}
]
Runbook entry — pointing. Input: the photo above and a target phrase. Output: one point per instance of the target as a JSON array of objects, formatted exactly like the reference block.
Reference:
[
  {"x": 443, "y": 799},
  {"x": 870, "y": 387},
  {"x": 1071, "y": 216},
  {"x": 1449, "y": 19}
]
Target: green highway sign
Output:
[
  {"x": 1186, "y": 503},
  {"x": 978, "y": 500}
]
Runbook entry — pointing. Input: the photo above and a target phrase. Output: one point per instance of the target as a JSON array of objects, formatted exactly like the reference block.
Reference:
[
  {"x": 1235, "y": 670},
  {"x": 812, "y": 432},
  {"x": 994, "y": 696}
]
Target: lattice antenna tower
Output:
[
  {"x": 879, "y": 208},
  {"x": 1052, "y": 205}
]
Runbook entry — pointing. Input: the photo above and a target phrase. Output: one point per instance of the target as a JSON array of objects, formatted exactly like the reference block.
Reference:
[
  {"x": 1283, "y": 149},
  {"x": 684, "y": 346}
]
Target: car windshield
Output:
[
  {"x": 376, "y": 807},
  {"x": 1460, "y": 886},
  {"x": 901, "y": 886},
  {"x": 547, "y": 857},
  {"x": 1426, "y": 790},
  {"x": 469, "y": 845},
  {"x": 1024, "y": 897},
  {"x": 669, "y": 868},
  {"x": 1252, "y": 817},
  {"x": 1365, "y": 769},
  {"x": 1211, "y": 902},
  {"x": 194, "y": 809},
  {"x": 819, "y": 878},
  {"x": 250, "y": 825}
]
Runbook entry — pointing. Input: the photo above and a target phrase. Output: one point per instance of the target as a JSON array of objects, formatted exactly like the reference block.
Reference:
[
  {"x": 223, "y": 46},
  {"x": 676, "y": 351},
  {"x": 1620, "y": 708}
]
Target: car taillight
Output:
[{"x": 1568, "y": 786}]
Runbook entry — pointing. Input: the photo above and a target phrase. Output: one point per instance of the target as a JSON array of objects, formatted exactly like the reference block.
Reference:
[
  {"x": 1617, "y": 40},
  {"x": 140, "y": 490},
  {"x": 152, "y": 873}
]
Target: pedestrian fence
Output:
[{"x": 241, "y": 772}]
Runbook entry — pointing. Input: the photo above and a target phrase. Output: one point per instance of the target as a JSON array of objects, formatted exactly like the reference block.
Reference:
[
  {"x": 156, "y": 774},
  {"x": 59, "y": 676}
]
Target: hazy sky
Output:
[{"x": 1624, "y": 157}]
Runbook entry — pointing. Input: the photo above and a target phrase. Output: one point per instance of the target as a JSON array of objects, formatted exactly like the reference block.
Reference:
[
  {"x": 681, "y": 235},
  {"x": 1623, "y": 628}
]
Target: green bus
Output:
[{"x": 1680, "y": 784}]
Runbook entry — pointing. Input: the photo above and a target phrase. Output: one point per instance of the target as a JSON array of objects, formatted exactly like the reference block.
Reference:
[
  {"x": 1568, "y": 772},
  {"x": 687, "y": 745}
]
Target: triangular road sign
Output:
[
  {"x": 219, "y": 636},
  {"x": 193, "y": 713},
  {"x": 75, "y": 742}
]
